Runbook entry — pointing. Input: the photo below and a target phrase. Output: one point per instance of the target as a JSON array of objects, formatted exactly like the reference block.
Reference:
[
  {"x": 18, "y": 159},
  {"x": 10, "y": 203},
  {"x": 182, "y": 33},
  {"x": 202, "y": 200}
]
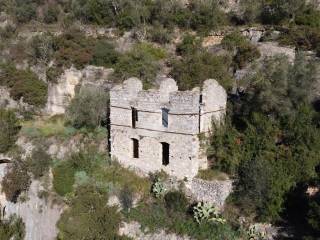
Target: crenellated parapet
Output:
[{"x": 144, "y": 123}]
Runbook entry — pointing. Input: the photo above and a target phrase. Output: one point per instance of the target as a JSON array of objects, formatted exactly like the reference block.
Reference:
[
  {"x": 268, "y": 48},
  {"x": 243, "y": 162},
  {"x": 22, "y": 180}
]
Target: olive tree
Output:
[{"x": 88, "y": 108}]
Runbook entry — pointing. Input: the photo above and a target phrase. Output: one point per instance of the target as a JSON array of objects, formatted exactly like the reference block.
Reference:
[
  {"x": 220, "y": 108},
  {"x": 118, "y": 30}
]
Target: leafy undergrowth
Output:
[
  {"x": 58, "y": 127},
  {"x": 155, "y": 215},
  {"x": 12, "y": 228},
  {"x": 90, "y": 167}
]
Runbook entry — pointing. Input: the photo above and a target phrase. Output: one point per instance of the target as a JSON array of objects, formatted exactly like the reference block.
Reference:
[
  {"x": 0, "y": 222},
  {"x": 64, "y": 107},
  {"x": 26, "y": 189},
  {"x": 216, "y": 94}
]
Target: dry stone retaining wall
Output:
[{"x": 214, "y": 192}]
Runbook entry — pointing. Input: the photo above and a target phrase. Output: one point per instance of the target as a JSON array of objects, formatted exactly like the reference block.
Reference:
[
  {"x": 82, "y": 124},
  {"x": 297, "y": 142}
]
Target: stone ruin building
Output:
[{"x": 154, "y": 130}]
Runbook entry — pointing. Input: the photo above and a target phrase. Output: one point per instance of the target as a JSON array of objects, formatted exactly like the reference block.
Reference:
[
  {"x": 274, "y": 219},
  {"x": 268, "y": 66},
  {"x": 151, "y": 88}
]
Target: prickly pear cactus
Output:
[
  {"x": 206, "y": 212},
  {"x": 254, "y": 234},
  {"x": 158, "y": 189}
]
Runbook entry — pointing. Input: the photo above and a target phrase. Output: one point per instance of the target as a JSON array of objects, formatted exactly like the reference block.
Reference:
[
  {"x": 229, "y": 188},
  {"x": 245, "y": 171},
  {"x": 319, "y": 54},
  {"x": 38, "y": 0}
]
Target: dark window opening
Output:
[
  {"x": 165, "y": 117},
  {"x": 134, "y": 113},
  {"x": 135, "y": 148},
  {"x": 165, "y": 153},
  {"x": 200, "y": 100}
]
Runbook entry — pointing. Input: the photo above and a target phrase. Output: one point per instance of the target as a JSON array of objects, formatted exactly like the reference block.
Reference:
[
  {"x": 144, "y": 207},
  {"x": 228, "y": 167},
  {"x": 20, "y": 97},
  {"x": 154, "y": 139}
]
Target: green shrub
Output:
[
  {"x": 88, "y": 108},
  {"x": 89, "y": 217},
  {"x": 25, "y": 11},
  {"x": 154, "y": 216},
  {"x": 234, "y": 40},
  {"x": 39, "y": 162},
  {"x": 63, "y": 178},
  {"x": 8, "y": 31},
  {"x": 24, "y": 84},
  {"x": 64, "y": 173},
  {"x": 140, "y": 62},
  {"x": 302, "y": 37},
  {"x": 104, "y": 54},
  {"x": 52, "y": 13},
  {"x": 206, "y": 15},
  {"x": 176, "y": 202},
  {"x": 159, "y": 34},
  {"x": 192, "y": 70},
  {"x": 189, "y": 45},
  {"x": 12, "y": 228},
  {"x": 16, "y": 180},
  {"x": 54, "y": 73},
  {"x": 41, "y": 49},
  {"x": 9, "y": 129},
  {"x": 245, "y": 52},
  {"x": 126, "y": 198},
  {"x": 309, "y": 17},
  {"x": 114, "y": 173},
  {"x": 73, "y": 48}
]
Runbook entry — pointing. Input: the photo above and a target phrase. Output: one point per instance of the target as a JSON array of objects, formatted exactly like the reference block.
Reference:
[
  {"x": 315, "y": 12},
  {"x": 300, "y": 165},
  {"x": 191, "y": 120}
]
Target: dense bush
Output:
[
  {"x": 192, "y": 70},
  {"x": 271, "y": 141},
  {"x": 176, "y": 202},
  {"x": 244, "y": 52},
  {"x": 73, "y": 48},
  {"x": 24, "y": 84},
  {"x": 25, "y": 11},
  {"x": 64, "y": 172},
  {"x": 141, "y": 62},
  {"x": 51, "y": 13},
  {"x": 9, "y": 129},
  {"x": 126, "y": 198},
  {"x": 39, "y": 162},
  {"x": 89, "y": 217},
  {"x": 12, "y": 228},
  {"x": 197, "y": 65},
  {"x": 41, "y": 49},
  {"x": 200, "y": 15},
  {"x": 16, "y": 180},
  {"x": 304, "y": 38},
  {"x": 104, "y": 54},
  {"x": 88, "y": 108},
  {"x": 206, "y": 15},
  {"x": 189, "y": 45},
  {"x": 154, "y": 215},
  {"x": 63, "y": 178},
  {"x": 159, "y": 34}
]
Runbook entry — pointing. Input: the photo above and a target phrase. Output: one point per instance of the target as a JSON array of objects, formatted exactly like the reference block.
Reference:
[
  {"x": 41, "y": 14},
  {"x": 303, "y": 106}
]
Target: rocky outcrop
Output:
[
  {"x": 7, "y": 102},
  {"x": 97, "y": 31},
  {"x": 40, "y": 215},
  {"x": 254, "y": 34},
  {"x": 133, "y": 230},
  {"x": 270, "y": 49},
  {"x": 5, "y": 20},
  {"x": 214, "y": 192},
  {"x": 61, "y": 93}
]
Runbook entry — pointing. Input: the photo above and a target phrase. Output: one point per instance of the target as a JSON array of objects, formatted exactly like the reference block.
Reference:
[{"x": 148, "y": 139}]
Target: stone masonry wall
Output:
[{"x": 184, "y": 125}]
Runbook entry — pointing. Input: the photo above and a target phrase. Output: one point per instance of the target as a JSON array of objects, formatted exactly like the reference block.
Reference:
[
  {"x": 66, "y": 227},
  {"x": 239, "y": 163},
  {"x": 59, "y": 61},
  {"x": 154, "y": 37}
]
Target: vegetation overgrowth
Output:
[{"x": 269, "y": 144}]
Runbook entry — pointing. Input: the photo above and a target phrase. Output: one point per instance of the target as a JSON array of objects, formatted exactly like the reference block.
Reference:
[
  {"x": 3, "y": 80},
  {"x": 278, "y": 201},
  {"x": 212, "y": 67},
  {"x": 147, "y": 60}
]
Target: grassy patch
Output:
[
  {"x": 98, "y": 170},
  {"x": 24, "y": 84},
  {"x": 211, "y": 174},
  {"x": 155, "y": 216},
  {"x": 54, "y": 126},
  {"x": 121, "y": 176},
  {"x": 58, "y": 127}
]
